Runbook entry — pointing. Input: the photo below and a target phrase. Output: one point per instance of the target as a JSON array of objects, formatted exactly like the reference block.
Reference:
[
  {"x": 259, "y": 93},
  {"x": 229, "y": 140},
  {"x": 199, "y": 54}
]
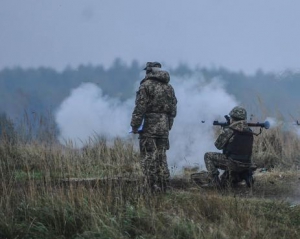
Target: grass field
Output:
[{"x": 40, "y": 197}]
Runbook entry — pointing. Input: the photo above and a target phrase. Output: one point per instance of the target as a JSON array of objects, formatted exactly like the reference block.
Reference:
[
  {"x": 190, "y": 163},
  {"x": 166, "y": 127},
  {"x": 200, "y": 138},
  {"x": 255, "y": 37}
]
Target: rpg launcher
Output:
[{"x": 265, "y": 125}]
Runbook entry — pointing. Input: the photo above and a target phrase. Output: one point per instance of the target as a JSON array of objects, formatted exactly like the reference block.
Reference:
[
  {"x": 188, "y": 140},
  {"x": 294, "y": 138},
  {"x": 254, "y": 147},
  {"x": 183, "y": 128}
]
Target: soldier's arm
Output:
[
  {"x": 140, "y": 108},
  {"x": 173, "y": 109},
  {"x": 223, "y": 138}
]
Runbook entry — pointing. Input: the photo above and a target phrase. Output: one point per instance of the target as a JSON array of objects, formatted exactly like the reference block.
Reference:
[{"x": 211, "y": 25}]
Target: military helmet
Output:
[
  {"x": 152, "y": 64},
  {"x": 238, "y": 113}
]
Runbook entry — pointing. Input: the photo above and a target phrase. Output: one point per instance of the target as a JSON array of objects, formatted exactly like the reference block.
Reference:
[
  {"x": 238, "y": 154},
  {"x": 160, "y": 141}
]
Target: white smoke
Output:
[
  {"x": 87, "y": 112},
  {"x": 284, "y": 125},
  {"x": 274, "y": 122},
  {"x": 197, "y": 101},
  {"x": 297, "y": 130}
]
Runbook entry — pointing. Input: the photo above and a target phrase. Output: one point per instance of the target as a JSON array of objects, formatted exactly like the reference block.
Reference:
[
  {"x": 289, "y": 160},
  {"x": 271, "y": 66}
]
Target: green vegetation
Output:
[{"x": 53, "y": 191}]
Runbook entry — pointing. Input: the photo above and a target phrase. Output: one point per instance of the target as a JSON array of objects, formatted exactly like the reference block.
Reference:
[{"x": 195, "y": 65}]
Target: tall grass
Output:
[
  {"x": 43, "y": 195},
  {"x": 277, "y": 147}
]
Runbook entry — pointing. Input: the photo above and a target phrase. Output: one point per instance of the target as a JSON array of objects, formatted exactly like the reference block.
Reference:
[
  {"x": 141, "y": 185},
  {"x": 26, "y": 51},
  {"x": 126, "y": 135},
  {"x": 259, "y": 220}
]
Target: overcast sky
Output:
[{"x": 236, "y": 34}]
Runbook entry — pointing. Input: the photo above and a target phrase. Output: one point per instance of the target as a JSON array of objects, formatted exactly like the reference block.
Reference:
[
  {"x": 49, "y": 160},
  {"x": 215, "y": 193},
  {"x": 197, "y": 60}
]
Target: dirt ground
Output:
[
  {"x": 268, "y": 184},
  {"x": 273, "y": 184}
]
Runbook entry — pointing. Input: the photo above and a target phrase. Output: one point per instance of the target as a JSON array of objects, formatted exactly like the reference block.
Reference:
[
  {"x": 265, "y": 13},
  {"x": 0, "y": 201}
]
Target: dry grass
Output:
[
  {"x": 35, "y": 204},
  {"x": 276, "y": 147}
]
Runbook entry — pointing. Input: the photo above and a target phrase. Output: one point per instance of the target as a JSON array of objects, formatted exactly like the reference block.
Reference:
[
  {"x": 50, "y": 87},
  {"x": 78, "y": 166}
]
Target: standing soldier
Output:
[
  {"x": 236, "y": 141},
  {"x": 155, "y": 109}
]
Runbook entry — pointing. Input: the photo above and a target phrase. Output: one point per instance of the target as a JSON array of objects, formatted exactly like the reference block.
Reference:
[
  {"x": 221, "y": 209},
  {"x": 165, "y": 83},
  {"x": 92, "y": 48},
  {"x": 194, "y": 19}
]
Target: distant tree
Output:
[
  {"x": 42, "y": 89},
  {"x": 182, "y": 70},
  {"x": 7, "y": 129}
]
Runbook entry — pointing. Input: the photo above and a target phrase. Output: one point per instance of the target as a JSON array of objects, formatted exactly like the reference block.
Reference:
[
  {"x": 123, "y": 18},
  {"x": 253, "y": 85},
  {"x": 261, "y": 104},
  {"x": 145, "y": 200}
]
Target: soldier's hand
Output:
[{"x": 134, "y": 131}]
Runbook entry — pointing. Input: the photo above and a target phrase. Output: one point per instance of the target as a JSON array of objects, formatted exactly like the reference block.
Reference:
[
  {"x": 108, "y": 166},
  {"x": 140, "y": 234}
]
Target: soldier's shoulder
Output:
[
  {"x": 147, "y": 81},
  {"x": 144, "y": 84},
  {"x": 170, "y": 86},
  {"x": 227, "y": 130}
]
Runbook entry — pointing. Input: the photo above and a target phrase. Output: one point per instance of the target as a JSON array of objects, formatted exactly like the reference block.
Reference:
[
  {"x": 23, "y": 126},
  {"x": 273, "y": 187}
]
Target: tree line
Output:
[{"x": 41, "y": 90}]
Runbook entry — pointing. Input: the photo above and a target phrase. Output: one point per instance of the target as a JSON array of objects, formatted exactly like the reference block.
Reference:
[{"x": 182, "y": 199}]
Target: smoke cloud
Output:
[
  {"x": 87, "y": 112},
  {"x": 198, "y": 101},
  {"x": 274, "y": 122},
  {"x": 284, "y": 125}
]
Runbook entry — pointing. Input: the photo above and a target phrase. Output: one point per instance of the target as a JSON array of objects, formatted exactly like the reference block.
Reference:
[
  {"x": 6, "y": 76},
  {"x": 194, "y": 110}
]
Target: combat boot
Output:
[
  {"x": 155, "y": 188},
  {"x": 215, "y": 181}
]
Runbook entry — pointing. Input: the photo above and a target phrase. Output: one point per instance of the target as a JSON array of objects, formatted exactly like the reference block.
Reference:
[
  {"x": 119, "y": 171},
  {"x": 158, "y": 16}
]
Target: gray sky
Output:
[{"x": 236, "y": 34}]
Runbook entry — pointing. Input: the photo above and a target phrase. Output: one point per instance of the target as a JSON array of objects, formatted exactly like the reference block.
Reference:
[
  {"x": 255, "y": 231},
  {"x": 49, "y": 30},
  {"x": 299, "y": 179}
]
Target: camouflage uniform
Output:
[
  {"x": 236, "y": 141},
  {"x": 156, "y": 105}
]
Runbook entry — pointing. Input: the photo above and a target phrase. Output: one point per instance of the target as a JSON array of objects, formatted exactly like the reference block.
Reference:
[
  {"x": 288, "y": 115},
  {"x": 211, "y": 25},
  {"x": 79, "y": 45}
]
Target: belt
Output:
[{"x": 240, "y": 158}]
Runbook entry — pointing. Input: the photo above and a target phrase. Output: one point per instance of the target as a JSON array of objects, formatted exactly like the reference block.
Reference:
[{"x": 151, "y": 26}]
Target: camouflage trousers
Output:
[
  {"x": 154, "y": 160},
  {"x": 214, "y": 161}
]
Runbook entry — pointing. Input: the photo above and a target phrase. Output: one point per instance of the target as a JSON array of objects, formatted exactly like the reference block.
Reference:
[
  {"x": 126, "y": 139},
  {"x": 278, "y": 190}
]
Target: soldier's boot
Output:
[
  {"x": 215, "y": 181},
  {"x": 224, "y": 179},
  {"x": 166, "y": 185},
  {"x": 155, "y": 187},
  {"x": 249, "y": 179},
  {"x": 161, "y": 186}
]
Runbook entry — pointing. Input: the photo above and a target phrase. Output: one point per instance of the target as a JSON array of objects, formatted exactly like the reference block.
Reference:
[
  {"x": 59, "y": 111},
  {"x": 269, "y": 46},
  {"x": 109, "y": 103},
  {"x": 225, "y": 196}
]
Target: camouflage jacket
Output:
[
  {"x": 226, "y": 135},
  {"x": 156, "y": 104}
]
